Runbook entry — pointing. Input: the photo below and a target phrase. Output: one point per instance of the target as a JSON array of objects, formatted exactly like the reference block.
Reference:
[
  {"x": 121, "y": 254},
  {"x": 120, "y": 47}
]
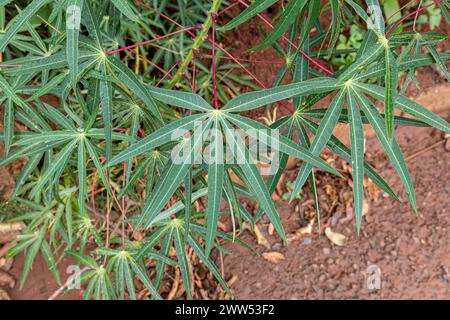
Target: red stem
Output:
[
  {"x": 227, "y": 8},
  {"x": 317, "y": 64},
  {"x": 395, "y": 25},
  {"x": 153, "y": 40},
  {"x": 167, "y": 74}
]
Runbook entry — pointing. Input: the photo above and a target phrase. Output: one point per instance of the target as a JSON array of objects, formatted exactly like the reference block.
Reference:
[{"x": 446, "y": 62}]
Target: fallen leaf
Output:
[
  {"x": 6, "y": 264},
  {"x": 271, "y": 229},
  {"x": 10, "y": 230},
  {"x": 337, "y": 238},
  {"x": 4, "y": 295},
  {"x": 261, "y": 239},
  {"x": 366, "y": 208},
  {"x": 274, "y": 257},
  {"x": 306, "y": 230},
  {"x": 6, "y": 280}
]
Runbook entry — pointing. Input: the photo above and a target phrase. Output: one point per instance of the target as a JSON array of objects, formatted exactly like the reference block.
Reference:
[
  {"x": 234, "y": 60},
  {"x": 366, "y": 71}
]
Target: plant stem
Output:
[
  {"x": 213, "y": 62},
  {"x": 199, "y": 40}
]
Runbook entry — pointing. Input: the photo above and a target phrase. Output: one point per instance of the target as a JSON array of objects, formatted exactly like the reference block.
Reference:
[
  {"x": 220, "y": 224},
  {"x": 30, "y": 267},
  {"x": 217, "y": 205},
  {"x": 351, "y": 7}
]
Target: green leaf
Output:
[
  {"x": 82, "y": 176},
  {"x": 106, "y": 98},
  {"x": 135, "y": 85},
  {"x": 408, "y": 106},
  {"x": 183, "y": 261},
  {"x": 31, "y": 255},
  {"x": 48, "y": 257},
  {"x": 8, "y": 125},
  {"x": 216, "y": 170},
  {"x": 73, "y": 21},
  {"x": 95, "y": 158},
  {"x": 392, "y": 148},
  {"x": 188, "y": 199},
  {"x": 391, "y": 90},
  {"x": 161, "y": 136},
  {"x": 199, "y": 252},
  {"x": 172, "y": 176},
  {"x": 439, "y": 61},
  {"x": 344, "y": 118},
  {"x": 290, "y": 13},
  {"x": 321, "y": 138},
  {"x": 55, "y": 169},
  {"x": 20, "y": 20},
  {"x": 341, "y": 150},
  {"x": 91, "y": 22},
  {"x": 370, "y": 55},
  {"x": 254, "y": 9},
  {"x": 357, "y": 144},
  {"x": 125, "y": 8},
  {"x": 255, "y": 181},
  {"x": 184, "y": 100},
  {"x": 257, "y": 99},
  {"x": 285, "y": 145},
  {"x": 143, "y": 275}
]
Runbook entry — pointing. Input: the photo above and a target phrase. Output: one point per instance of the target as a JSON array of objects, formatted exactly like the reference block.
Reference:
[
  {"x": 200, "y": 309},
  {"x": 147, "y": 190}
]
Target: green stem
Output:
[{"x": 199, "y": 40}]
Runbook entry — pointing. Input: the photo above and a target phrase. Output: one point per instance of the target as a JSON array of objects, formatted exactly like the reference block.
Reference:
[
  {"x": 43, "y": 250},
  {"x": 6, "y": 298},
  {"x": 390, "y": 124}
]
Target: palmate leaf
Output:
[
  {"x": 55, "y": 170},
  {"x": 158, "y": 138},
  {"x": 339, "y": 148},
  {"x": 255, "y": 8},
  {"x": 255, "y": 181},
  {"x": 125, "y": 75},
  {"x": 19, "y": 21},
  {"x": 407, "y": 106},
  {"x": 172, "y": 177},
  {"x": 322, "y": 136},
  {"x": 286, "y": 146},
  {"x": 357, "y": 144},
  {"x": 344, "y": 118},
  {"x": 392, "y": 148},
  {"x": 439, "y": 61}
]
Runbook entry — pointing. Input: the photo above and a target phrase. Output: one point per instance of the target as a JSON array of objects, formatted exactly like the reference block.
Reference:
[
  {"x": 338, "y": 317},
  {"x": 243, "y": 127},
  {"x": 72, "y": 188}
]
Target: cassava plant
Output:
[{"x": 139, "y": 84}]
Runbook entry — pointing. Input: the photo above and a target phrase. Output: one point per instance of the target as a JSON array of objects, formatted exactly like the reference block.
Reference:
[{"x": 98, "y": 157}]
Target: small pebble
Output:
[
  {"x": 307, "y": 240},
  {"x": 277, "y": 246},
  {"x": 326, "y": 251}
]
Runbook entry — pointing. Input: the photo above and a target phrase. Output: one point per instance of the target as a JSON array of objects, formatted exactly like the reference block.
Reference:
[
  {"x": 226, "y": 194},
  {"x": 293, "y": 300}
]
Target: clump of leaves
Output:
[
  {"x": 348, "y": 44},
  {"x": 100, "y": 182}
]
